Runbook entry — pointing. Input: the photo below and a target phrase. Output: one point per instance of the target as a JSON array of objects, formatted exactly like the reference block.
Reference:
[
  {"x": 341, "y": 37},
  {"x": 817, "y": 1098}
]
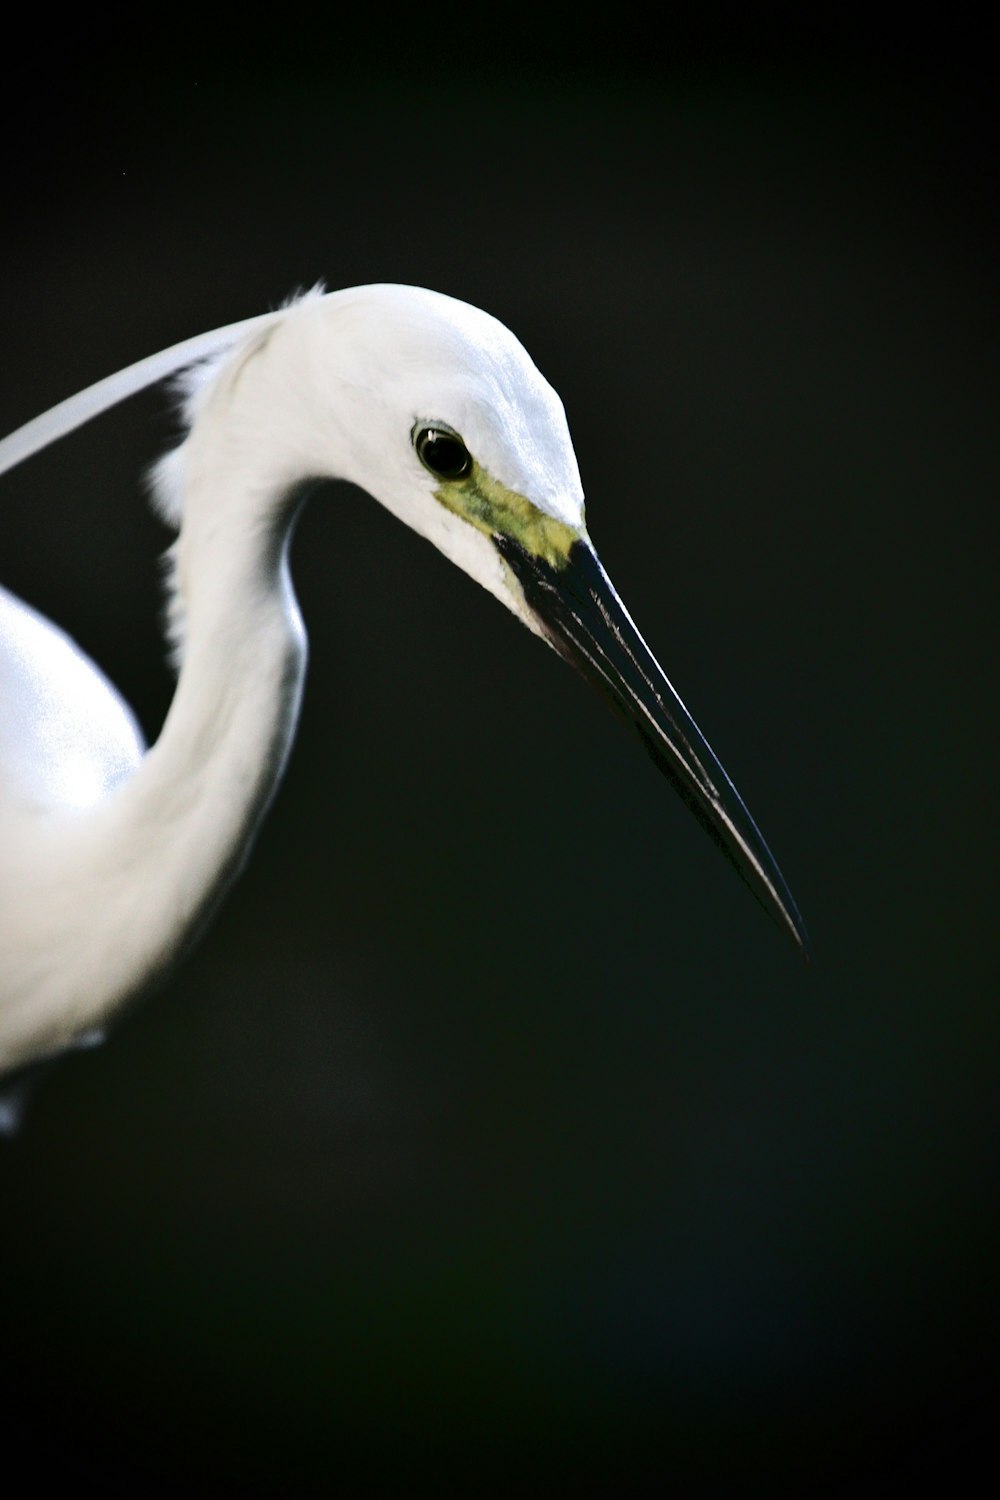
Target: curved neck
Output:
[
  {"x": 205, "y": 785},
  {"x": 199, "y": 796},
  {"x": 112, "y": 897}
]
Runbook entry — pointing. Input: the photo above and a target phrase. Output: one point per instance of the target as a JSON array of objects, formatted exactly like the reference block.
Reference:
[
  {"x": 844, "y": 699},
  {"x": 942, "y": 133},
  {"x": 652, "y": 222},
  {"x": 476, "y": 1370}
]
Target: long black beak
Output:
[{"x": 578, "y": 610}]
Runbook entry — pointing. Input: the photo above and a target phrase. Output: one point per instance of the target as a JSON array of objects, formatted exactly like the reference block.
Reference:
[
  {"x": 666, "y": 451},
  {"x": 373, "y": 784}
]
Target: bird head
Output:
[{"x": 436, "y": 409}]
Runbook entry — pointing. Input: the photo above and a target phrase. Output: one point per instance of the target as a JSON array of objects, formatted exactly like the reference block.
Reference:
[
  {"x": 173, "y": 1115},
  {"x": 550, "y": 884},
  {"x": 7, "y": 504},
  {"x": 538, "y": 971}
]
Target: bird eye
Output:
[{"x": 442, "y": 452}]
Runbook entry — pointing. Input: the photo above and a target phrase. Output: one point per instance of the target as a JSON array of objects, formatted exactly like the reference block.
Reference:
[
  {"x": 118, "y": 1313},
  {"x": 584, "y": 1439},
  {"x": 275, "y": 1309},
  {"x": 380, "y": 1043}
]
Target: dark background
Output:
[{"x": 493, "y": 1134}]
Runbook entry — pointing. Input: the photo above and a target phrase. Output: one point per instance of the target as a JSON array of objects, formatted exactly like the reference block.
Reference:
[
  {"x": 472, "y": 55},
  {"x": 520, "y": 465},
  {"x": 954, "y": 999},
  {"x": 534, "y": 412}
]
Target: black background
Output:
[{"x": 493, "y": 1134}]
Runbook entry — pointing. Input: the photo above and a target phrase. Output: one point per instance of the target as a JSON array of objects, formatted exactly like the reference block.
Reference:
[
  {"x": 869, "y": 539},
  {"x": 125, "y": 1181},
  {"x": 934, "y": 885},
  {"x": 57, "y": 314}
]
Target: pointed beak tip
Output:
[{"x": 582, "y": 616}]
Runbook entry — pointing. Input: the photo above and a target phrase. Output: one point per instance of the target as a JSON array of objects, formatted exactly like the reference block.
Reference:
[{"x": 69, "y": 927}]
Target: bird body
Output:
[
  {"x": 113, "y": 856},
  {"x": 66, "y": 736}
]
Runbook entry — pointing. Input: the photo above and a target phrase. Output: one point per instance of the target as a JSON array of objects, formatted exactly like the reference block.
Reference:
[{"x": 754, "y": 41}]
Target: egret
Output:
[{"x": 112, "y": 856}]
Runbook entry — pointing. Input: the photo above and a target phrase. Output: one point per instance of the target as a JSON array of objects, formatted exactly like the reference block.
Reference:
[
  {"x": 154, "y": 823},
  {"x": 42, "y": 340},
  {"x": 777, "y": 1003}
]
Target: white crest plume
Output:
[{"x": 42, "y": 431}]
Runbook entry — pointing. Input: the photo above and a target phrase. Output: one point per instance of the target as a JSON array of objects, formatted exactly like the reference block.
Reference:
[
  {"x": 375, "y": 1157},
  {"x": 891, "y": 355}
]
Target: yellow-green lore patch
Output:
[{"x": 492, "y": 508}]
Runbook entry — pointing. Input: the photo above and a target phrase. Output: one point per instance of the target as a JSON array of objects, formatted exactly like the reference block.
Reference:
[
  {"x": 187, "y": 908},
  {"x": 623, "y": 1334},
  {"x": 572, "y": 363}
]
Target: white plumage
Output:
[{"x": 112, "y": 857}]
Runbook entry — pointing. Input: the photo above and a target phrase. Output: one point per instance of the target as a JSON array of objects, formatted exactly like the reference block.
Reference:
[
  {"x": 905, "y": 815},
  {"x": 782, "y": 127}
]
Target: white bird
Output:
[{"x": 112, "y": 856}]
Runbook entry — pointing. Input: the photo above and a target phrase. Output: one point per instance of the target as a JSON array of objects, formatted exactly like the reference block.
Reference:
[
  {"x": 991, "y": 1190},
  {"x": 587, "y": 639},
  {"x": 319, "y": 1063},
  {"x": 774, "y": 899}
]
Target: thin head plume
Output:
[{"x": 59, "y": 420}]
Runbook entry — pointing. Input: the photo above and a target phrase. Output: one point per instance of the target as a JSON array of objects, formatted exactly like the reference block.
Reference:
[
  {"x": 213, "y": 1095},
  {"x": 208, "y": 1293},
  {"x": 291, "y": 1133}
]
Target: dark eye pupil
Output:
[{"x": 444, "y": 454}]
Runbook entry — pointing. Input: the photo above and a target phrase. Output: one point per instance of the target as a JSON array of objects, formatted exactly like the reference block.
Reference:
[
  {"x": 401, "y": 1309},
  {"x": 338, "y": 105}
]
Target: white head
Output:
[
  {"x": 352, "y": 386},
  {"x": 391, "y": 365},
  {"x": 395, "y": 356}
]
